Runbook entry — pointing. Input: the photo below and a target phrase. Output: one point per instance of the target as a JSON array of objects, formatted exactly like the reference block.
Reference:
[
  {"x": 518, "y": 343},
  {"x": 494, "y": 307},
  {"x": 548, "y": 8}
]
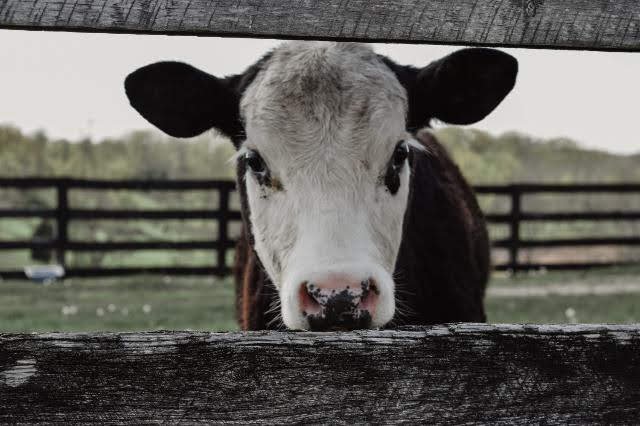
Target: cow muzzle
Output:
[{"x": 338, "y": 302}]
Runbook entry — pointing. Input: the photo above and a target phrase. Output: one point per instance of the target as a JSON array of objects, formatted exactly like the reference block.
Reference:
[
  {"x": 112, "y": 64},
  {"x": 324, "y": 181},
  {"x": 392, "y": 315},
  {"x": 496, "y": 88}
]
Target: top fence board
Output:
[{"x": 558, "y": 24}]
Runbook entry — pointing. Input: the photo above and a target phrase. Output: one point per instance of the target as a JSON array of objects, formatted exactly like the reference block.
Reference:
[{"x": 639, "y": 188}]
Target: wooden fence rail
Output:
[
  {"x": 566, "y": 24},
  {"x": 63, "y": 213},
  {"x": 465, "y": 373},
  {"x": 516, "y": 216},
  {"x": 224, "y": 214}
]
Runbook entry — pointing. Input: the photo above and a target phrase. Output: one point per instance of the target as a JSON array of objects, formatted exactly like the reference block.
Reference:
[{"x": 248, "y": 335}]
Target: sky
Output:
[{"x": 71, "y": 85}]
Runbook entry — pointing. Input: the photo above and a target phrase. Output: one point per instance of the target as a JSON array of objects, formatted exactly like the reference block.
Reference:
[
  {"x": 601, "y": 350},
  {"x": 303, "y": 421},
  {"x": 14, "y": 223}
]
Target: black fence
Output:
[
  {"x": 516, "y": 216},
  {"x": 63, "y": 213},
  {"x": 223, "y": 215}
]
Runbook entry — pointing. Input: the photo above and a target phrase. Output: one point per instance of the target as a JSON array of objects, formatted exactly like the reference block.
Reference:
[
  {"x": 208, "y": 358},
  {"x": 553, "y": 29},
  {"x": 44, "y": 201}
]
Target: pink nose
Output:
[{"x": 338, "y": 302}]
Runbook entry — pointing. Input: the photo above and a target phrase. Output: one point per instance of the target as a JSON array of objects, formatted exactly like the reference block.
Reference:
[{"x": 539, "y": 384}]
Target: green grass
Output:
[
  {"x": 612, "y": 308},
  {"x": 208, "y": 304},
  {"x": 176, "y": 303},
  {"x": 618, "y": 308},
  {"x": 628, "y": 274}
]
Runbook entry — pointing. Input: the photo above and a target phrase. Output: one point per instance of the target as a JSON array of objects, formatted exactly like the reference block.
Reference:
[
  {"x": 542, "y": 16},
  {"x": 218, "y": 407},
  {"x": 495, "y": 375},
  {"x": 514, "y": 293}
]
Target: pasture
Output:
[
  {"x": 465, "y": 373},
  {"x": 207, "y": 304}
]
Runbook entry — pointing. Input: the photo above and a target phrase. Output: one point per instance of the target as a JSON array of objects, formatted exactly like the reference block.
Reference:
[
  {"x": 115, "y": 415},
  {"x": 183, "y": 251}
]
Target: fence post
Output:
[
  {"x": 223, "y": 207},
  {"x": 514, "y": 226},
  {"x": 62, "y": 218}
]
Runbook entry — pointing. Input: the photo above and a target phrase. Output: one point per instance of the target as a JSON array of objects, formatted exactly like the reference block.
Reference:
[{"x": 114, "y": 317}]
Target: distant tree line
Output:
[
  {"x": 483, "y": 158},
  {"x": 516, "y": 157},
  {"x": 137, "y": 155}
]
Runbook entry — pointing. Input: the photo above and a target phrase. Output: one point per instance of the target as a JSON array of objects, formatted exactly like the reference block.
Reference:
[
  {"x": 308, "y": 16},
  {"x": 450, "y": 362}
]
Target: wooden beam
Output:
[
  {"x": 563, "y": 24},
  {"x": 465, "y": 373}
]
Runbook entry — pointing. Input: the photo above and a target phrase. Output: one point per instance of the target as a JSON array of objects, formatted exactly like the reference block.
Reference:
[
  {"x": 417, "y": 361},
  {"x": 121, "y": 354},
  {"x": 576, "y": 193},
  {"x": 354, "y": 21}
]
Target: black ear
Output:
[
  {"x": 183, "y": 101},
  {"x": 461, "y": 88}
]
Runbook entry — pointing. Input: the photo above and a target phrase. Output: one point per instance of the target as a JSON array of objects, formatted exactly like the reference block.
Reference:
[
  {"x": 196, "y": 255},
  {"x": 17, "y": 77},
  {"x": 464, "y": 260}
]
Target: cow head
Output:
[{"x": 324, "y": 137}]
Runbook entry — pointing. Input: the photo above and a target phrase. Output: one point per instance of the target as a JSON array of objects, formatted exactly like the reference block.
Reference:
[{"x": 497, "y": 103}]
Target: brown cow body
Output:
[{"x": 351, "y": 220}]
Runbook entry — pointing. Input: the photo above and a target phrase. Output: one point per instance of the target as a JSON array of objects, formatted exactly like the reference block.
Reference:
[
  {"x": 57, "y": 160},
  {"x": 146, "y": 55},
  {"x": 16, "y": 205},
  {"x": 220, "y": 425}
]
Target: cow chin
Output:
[{"x": 340, "y": 296}]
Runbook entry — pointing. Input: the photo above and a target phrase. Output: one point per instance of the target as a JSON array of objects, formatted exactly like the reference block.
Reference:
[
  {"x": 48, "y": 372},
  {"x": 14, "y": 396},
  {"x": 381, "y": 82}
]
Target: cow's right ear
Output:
[
  {"x": 465, "y": 86},
  {"x": 461, "y": 88},
  {"x": 183, "y": 101}
]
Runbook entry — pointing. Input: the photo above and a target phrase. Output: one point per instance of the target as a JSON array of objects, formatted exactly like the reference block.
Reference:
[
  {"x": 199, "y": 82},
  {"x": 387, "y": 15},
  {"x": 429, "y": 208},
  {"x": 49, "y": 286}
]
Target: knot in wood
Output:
[{"x": 530, "y": 8}]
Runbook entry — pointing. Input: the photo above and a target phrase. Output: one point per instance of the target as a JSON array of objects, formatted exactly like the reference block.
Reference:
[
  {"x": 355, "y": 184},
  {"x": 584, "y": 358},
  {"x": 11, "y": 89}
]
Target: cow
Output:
[{"x": 354, "y": 215}]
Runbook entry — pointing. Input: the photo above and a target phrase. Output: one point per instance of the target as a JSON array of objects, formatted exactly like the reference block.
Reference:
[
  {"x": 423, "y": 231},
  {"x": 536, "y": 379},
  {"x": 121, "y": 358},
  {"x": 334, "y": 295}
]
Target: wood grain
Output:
[
  {"x": 465, "y": 373},
  {"x": 573, "y": 24}
]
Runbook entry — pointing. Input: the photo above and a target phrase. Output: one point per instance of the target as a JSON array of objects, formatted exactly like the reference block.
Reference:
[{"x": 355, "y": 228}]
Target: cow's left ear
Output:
[
  {"x": 461, "y": 88},
  {"x": 183, "y": 101}
]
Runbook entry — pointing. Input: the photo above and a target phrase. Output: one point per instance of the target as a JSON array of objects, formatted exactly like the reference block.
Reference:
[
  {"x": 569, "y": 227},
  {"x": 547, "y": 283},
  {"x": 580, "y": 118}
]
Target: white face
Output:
[{"x": 326, "y": 119}]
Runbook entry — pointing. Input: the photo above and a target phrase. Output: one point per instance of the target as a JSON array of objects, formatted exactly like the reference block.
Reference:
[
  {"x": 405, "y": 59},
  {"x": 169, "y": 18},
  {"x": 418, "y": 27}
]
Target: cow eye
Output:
[
  {"x": 400, "y": 155},
  {"x": 392, "y": 175},
  {"x": 254, "y": 161}
]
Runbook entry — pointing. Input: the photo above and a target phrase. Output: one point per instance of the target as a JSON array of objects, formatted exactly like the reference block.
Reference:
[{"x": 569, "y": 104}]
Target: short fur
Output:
[
  {"x": 439, "y": 279},
  {"x": 325, "y": 118},
  {"x": 328, "y": 190}
]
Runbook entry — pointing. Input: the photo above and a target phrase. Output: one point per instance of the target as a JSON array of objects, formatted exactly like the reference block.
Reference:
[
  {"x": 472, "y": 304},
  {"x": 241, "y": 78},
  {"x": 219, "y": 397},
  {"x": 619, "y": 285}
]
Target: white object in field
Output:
[{"x": 44, "y": 273}]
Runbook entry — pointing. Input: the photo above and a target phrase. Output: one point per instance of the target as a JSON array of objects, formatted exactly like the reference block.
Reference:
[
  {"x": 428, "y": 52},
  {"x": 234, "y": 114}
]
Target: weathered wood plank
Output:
[
  {"x": 471, "y": 373},
  {"x": 578, "y": 24}
]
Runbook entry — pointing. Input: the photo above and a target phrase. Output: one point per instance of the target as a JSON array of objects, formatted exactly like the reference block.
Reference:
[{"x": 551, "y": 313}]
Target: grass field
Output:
[
  {"x": 119, "y": 304},
  {"x": 151, "y": 303}
]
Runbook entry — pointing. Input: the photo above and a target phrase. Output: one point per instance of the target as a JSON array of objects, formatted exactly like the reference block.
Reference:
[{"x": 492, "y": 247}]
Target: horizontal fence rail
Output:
[
  {"x": 454, "y": 374},
  {"x": 224, "y": 215},
  {"x": 63, "y": 213},
  {"x": 516, "y": 216},
  {"x": 560, "y": 24}
]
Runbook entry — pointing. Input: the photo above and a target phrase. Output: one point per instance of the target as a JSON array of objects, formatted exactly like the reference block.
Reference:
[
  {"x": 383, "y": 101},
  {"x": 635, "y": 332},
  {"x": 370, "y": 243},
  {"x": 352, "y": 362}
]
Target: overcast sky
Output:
[{"x": 70, "y": 85}]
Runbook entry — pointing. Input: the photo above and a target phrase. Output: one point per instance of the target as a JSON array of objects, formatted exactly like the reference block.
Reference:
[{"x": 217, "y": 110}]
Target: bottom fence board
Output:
[{"x": 455, "y": 373}]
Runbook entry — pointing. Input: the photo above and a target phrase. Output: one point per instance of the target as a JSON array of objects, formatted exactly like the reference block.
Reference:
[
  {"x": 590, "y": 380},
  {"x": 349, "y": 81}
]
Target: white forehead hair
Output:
[{"x": 333, "y": 97}]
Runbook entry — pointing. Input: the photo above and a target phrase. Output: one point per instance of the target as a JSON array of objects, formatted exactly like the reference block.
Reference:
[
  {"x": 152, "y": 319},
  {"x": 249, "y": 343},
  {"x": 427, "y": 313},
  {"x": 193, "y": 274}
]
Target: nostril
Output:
[
  {"x": 308, "y": 294},
  {"x": 370, "y": 293},
  {"x": 369, "y": 285}
]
